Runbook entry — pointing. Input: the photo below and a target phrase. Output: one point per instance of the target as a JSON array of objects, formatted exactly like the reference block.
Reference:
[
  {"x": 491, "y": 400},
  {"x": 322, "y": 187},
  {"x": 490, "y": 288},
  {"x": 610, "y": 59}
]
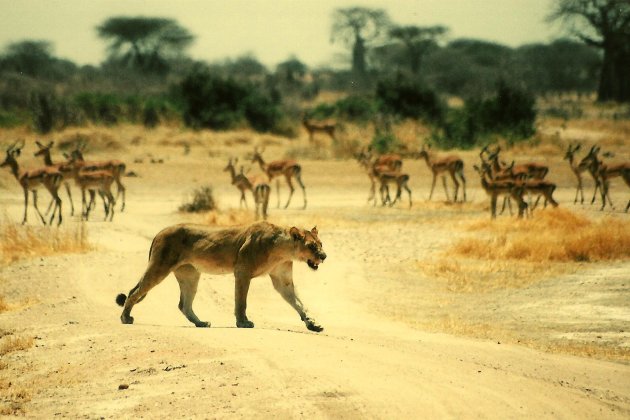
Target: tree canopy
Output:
[{"x": 144, "y": 43}]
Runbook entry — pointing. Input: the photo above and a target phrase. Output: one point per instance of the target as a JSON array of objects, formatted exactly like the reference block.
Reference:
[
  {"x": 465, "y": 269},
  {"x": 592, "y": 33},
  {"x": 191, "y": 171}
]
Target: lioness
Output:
[{"x": 261, "y": 248}]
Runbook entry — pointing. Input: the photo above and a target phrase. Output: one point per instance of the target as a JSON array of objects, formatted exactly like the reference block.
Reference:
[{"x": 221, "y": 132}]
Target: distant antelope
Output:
[
  {"x": 452, "y": 164},
  {"x": 312, "y": 127},
  {"x": 49, "y": 178},
  {"x": 116, "y": 167},
  {"x": 577, "y": 170},
  {"x": 64, "y": 168},
  {"x": 605, "y": 172},
  {"x": 500, "y": 188},
  {"x": 289, "y": 168},
  {"x": 259, "y": 188}
]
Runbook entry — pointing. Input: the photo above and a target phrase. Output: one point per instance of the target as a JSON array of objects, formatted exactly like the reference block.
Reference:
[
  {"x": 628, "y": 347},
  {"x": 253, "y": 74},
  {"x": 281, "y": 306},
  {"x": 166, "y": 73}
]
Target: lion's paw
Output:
[
  {"x": 245, "y": 324},
  {"x": 202, "y": 324},
  {"x": 126, "y": 319},
  {"x": 313, "y": 326}
]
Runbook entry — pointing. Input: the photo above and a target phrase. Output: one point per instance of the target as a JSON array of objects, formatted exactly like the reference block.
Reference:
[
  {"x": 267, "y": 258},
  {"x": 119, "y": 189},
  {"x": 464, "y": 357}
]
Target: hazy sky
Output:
[{"x": 272, "y": 30}]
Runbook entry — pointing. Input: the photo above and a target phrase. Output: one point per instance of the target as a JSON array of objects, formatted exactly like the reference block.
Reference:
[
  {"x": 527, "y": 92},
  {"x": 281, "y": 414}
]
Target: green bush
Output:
[
  {"x": 356, "y": 108},
  {"x": 510, "y": 113},
  {"x": 384, "y": 142},
  {"x": 218, "y": 103},
  {"x": 409, "y": 99}
]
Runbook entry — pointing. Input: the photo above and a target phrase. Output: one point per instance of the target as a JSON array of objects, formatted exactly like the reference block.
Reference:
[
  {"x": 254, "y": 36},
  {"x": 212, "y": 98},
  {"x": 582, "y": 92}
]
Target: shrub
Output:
[
  {"x": 150, "y": 116},
  {"x": 384, "y": 142},
  {"x": 356, "y": 108},
  {"x": 202, "y": 200},
  {"x": 509, "y": 113},
  {"x": 408, "y": 99},
  {"x": 43, "y": 110}
]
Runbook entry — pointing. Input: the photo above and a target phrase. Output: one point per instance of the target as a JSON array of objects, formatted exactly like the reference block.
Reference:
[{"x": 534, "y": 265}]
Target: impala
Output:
[
  {"x": 116, "y": 167},
  {"x": 390, "y": 162},
  {"x": 313, "y": 127},
  {"x": 530, "y": 170},
  {"x": 65, "y": 169},
  {"x": 605, "y": 172},
  {"x": 451, "y": 164},
  {"x": 287, "y": 168},
  {"x": 577, "y": 170},
  {"x": 49, "y": 178},
  {"x": 500, "y": 188},
  {"x": 259, "y": 188}
]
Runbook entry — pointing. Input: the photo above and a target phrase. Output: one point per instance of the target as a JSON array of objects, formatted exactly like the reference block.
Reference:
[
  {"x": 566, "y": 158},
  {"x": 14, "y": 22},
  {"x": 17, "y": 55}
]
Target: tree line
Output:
[{"x": 392, "y": 69}]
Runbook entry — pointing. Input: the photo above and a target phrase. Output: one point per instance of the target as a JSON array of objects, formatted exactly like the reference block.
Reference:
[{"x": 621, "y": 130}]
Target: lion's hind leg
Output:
[
  {"x": 152, "y": 277},
  {"x": 188, "y": 279}
]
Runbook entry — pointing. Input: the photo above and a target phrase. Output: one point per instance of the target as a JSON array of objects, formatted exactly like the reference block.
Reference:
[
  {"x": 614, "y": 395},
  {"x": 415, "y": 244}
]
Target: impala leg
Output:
[
  {"x": 456, "y": 186},
  {"x": 463, "y": 179},
  {"x": 25, "y": 205},
  {"x": 445, "y": 188},
  {"x": 121, "y": 190},
  {"x": 37, "y": 209},
  {"x": 298, "y": 178},
  {"x": 432, "y": 187},
  {"x": 278, "y": 191},
  {"x": 291, "y": 190},
  {"x": 67, "y": 185}
]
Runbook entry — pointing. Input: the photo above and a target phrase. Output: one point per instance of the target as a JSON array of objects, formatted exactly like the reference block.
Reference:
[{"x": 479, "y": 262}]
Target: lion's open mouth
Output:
[{"x": 312, "y": 264}]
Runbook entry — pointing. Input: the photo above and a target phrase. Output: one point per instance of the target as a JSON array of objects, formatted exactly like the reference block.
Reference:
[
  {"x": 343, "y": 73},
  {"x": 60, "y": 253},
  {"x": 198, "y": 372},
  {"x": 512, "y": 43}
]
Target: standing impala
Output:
[
  {"x": 605, "y": 172},
  {"x": 318, "y": 126},
  {"x": 451, "y": 164},
  {"x": 500, "y": 188},
  {"x": 116, "y": 167},
  {"x": 289, "y": 168},
  {"x": 49, "y": 178},
  {"x": 259, "y": 188},
  {"x": 64, "y": 168}
]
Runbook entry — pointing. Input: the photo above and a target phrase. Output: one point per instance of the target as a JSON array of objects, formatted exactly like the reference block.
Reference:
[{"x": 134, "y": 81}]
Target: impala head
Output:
[
  {"x": 230, "y": 165},
  {"x": 13, "y": 152},
  {"x": 591, "y": 158},
  {"x": 257, "y": 156},
  {"x": 43, "y": 149},
  {"x": 308, "y": 247},
  {"x": 571, "y": 151}
]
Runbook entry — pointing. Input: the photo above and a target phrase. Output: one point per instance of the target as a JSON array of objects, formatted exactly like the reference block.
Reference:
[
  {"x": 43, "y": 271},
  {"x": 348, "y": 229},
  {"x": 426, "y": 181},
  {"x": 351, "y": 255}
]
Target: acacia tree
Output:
[
  {"x": 604, "y": 24},
  {"x": 417, "y": 41},
  {"x": 356, "y": 27},
  {"x": 144, "y": 43}
]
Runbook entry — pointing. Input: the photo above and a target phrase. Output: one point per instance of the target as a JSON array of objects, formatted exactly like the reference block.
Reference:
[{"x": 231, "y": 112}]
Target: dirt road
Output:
[{"x": 369, "y": 362}]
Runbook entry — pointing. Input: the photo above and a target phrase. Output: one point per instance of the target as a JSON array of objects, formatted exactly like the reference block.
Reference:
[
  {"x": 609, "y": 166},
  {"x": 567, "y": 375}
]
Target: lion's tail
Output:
[{"x": 121, "y": 299}]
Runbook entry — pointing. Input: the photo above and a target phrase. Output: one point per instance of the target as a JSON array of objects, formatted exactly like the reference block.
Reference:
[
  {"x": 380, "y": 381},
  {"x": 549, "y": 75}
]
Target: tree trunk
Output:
[
  {"x": 614, "y": 81},
  {"x": 358, "y": 56}
]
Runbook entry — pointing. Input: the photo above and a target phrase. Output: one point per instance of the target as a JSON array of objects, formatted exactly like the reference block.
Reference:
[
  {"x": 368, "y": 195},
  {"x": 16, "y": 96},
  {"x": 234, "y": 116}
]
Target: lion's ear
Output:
[
  {"x": 296, "y": 234},
  {"x": 314, "y": 231}
]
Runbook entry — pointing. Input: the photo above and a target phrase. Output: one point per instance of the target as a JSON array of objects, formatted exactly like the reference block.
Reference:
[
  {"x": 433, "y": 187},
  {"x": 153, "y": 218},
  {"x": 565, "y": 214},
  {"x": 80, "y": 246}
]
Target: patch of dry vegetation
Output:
[
  {"x": 12, "y": 397},
  {"x": 555, "y": 235},
  {"x": 18, "y": 241}
]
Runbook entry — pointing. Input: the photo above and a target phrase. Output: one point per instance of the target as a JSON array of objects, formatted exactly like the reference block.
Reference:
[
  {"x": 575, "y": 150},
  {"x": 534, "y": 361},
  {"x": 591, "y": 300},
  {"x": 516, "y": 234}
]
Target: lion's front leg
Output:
[
  {"x": 282, "y": 278},
  {"x": 241, "y": 288}
]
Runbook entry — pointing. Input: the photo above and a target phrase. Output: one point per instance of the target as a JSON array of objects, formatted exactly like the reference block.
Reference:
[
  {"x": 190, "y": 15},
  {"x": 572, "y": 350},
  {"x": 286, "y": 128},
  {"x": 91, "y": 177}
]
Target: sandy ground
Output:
[{"x": 397, "y": 343}]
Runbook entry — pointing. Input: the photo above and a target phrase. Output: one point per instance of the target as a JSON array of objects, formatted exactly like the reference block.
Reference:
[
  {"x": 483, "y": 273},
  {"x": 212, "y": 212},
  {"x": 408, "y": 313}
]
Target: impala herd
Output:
[{"x": 512, "y": 182}]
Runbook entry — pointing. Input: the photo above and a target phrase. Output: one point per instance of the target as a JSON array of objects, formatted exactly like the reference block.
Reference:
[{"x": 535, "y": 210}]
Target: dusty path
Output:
[{"x": 363, "y": 365}]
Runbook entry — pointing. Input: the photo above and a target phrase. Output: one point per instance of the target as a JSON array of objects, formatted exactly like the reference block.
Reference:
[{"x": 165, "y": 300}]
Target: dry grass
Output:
[
  {"x": 11, "y": 343},
  {"x": 12, "y": 397},
  {"x": 229, "y": 218},
  {"x": 557, "y": 235},
  {"x": 4, "y": 306},
  {"x": 19, "y": 242}
]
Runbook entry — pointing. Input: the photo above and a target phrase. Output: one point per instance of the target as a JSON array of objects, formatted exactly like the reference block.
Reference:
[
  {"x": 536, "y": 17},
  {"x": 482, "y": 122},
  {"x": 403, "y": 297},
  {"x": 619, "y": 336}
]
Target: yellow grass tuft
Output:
[
  {"x": 557, "y": 235},
  {"x": 4, "y": 306},
  {"x": 11, "y": 343},
  {"x": 19, "y": 242}
]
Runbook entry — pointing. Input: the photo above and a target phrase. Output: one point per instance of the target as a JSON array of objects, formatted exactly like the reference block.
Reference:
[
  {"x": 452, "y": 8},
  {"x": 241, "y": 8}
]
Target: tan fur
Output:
[{"x": 248, "y": 252}]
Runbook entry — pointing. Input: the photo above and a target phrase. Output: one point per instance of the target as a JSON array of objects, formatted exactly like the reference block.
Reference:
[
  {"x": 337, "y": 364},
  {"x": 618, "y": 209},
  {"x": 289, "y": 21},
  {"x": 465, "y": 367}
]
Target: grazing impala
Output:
[
  {"x": 531, "y": 170},
  {"x": 289, "y": 168},
  {"x": 313, "y": 127},
  {"x": 605, "y": 172},
  {"x": 49, "y": 178},
  {"x": 451, "y": 164},
  {"x": 116, "y": 167}
]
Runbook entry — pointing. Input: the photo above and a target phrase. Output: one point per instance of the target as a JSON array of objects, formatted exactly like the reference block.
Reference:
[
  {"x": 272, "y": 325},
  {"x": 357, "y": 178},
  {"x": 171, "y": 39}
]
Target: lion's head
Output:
[{"x": 308, "y": 246}]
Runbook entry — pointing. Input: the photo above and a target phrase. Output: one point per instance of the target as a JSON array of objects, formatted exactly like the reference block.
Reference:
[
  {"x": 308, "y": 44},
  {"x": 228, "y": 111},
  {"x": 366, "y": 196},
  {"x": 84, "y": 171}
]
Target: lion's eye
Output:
[{"x": 312, "y": 247}]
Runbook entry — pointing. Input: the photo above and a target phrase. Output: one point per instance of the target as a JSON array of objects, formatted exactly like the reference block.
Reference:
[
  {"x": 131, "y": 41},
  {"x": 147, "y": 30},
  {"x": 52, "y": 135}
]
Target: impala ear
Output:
[{"x": 296, "y": 234}]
